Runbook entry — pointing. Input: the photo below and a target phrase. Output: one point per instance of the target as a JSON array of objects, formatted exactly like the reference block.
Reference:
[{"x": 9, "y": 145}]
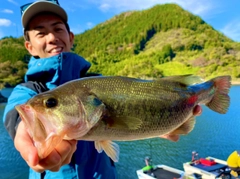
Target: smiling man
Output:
[
  {"x": 47, "y": 36},
  {"x": 49, "y": 40}
]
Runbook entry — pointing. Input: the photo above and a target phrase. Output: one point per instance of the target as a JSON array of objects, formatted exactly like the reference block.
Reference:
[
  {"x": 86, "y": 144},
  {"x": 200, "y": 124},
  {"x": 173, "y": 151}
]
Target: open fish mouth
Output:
[
  {"x": 34, "y": 124},
  {"x": 44, "y": 142}
]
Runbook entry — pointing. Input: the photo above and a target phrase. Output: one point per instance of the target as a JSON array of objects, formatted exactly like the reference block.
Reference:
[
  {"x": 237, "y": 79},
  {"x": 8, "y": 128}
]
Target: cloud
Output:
[
  {"x": 13, "y": 2},
  {"x": 8, "y": 11},
  {"x": 5, "y": 22},
  {"x": 90, "y": 25},
  {"x": 104, "y": 7},
  {"x": 197, "y": 7},
  {"x": 232, "y": 30},
  {"x": 77, "y": 29}
]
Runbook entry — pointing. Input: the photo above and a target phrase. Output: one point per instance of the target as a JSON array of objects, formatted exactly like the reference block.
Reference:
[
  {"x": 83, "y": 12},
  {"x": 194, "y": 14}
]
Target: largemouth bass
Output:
[{"x": 106, "y": 109}]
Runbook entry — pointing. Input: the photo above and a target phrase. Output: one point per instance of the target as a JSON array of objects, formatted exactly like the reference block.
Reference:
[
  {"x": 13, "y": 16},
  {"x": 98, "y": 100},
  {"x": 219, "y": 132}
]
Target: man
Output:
[
  {"x": 49, "y": 41},
  {"x": 149, "y": 168}
]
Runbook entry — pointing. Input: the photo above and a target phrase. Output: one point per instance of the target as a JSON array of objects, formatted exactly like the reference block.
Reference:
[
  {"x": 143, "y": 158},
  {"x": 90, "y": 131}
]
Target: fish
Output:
[{"x": 105, "y": 109}]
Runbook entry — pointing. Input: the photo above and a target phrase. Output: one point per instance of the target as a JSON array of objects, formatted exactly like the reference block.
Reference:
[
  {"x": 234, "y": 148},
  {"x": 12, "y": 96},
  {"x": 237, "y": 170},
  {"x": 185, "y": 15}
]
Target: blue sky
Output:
[{"x": 222, "y": 15}]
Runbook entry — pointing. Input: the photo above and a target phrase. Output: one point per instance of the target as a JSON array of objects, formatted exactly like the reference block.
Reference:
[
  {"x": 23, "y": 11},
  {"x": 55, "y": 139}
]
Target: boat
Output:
[
  {"x": 160, "y": 172},
  {"x": 207, "y": 168},
  {"x": 197, "y": 168}
]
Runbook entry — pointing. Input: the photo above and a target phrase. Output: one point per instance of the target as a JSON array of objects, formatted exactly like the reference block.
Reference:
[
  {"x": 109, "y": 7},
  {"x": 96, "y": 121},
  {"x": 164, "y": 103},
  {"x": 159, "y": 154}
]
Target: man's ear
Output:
[
  {"x": 71, "y": 38},
  {"x": 30, "y": 48}
]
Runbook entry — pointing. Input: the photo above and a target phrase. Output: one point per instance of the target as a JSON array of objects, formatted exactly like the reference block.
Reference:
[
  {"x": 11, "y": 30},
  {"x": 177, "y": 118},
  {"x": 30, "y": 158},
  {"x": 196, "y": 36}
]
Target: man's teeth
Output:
[{"x": 56, "y": 50}]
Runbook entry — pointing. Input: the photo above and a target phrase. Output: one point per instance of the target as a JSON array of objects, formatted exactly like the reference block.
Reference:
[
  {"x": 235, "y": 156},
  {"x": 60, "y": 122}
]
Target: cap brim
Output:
[{"x": 42, "y": 6}]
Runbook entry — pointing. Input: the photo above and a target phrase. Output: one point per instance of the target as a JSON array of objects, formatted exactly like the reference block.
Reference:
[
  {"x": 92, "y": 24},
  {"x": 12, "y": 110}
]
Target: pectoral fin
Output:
[
  {"x": 109, "y": 147},
  {"x": 123, "y": 122}
]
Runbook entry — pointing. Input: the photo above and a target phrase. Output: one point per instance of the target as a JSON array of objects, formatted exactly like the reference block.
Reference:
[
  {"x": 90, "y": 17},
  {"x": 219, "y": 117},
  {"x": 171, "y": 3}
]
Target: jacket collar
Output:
[{"x": 56, "y": 70}]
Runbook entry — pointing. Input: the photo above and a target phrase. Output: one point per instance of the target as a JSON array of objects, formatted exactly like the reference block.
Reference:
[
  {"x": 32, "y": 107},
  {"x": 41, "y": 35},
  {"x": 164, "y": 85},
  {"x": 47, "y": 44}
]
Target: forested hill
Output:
[{"x": 161, "y": 41}]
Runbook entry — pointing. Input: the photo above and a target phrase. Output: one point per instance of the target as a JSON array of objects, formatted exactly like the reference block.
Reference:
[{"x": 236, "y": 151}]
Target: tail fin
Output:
[{"x": 220, "y": 101}]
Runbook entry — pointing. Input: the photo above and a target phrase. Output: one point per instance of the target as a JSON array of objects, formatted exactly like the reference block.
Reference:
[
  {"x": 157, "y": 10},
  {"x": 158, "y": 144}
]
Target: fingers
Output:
[
  {"x": 197, "y": 111},
  {"x": 60, "y": 156},
  {"x": 66, "y": 150},
  {"x": 24, "y": 144},
  {"x": 52, "y": 162}
]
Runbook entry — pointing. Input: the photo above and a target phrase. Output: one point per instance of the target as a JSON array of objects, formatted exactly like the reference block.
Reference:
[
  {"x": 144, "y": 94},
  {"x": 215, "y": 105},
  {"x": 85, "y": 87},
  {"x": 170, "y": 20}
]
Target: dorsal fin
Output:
[{"x": 184, "y": 79}]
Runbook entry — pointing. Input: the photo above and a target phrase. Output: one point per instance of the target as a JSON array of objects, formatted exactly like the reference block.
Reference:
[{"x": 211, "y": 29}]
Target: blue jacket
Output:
[{"x": 49, "y": 73}]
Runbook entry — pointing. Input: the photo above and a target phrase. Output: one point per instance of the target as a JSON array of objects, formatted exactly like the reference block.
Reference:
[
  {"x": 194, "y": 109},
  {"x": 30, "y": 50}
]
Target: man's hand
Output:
[{"x": 60, "y": 156}]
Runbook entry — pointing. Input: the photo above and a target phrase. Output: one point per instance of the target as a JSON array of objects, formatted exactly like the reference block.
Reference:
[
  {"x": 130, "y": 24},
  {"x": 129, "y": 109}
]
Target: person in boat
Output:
[
  {"x": 233, "y": 163},
  {"x": 149, "y": 168},
  {"x": 195, "y": 158}
]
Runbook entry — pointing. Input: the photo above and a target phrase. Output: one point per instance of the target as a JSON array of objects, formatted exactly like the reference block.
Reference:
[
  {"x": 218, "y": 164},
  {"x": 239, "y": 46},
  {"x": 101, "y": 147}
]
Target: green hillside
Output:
[
  {"x": 161, "y": 41},
  {"x": 13, "y": 61}
]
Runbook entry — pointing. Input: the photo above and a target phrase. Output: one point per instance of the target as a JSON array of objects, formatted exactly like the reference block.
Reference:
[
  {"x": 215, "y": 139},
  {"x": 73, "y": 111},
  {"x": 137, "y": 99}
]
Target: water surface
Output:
[{"x": 214, "y": 135}]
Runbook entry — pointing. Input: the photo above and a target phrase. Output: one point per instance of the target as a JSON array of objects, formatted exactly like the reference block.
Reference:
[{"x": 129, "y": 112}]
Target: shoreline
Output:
[{"x": 235, "y": 83}]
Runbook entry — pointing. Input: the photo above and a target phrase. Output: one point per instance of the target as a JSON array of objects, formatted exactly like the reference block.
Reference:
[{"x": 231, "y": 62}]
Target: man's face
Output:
[{"x": 48, "y": 36}]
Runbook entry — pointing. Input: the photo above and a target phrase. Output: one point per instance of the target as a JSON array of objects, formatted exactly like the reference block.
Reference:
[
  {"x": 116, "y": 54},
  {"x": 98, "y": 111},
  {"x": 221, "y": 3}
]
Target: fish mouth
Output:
[
  {"x": 34, "y": 125},
  {"x": 43, "y": 141}
]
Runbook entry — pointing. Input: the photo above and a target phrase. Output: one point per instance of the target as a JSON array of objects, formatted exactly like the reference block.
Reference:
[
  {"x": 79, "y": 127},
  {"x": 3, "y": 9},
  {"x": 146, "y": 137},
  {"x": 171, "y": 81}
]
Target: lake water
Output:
[
  {"x": 6, "y": 92},
  {"x": 214, "y": 135}
]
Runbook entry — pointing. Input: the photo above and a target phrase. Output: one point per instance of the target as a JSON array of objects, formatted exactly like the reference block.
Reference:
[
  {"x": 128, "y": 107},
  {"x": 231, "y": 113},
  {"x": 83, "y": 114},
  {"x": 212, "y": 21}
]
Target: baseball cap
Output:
[{"x": 29, "y": 10}]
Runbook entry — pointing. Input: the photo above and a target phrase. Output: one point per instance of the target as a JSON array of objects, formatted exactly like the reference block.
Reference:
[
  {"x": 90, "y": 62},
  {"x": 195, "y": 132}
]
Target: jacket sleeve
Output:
[
  {"x": 21, "y": 94},
  {"x": 11, "y": 119}
]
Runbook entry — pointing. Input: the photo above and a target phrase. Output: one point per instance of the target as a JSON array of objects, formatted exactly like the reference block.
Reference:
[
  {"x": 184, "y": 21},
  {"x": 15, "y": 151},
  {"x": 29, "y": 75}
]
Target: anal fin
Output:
[
  {"x": 184, "y": 129},
  {"x": 171, "y": 137}
]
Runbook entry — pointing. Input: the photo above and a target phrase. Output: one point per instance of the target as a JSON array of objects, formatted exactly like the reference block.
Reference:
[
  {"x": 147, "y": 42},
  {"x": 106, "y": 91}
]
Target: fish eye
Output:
[{"x": 51, "y": 102}]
